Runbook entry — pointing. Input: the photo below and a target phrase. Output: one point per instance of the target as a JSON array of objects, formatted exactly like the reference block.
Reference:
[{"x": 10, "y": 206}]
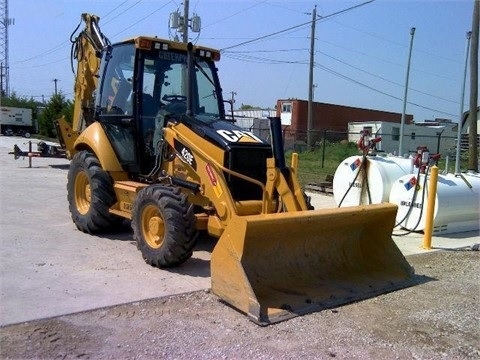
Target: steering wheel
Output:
[{"x": 174, "y": 98}]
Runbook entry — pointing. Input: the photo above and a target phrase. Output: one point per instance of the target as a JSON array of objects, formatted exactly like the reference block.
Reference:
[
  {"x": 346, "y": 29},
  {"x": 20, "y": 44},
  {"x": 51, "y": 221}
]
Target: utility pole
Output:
[
  {"x": 402, "y": 121},
  {"x": 231, "y": 102},
  {"x": 310, "y": 82},
  {"x": 462, "y": 97},
  {"x": 182, "y": 23},
  {"x": 185, "y": 21},
  {"x": 473, "y": 130},
  {"x": 55, "y": 81},
  {"x": 233, "y": 93}
]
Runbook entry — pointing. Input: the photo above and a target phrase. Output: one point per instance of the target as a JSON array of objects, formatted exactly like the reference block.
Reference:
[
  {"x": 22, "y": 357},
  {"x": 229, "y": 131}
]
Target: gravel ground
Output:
[{"x": 436, "y": 319}]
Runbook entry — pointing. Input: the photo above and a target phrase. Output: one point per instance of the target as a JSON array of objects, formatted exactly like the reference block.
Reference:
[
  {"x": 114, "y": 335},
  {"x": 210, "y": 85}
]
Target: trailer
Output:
[{"x": 16, "y": 121}]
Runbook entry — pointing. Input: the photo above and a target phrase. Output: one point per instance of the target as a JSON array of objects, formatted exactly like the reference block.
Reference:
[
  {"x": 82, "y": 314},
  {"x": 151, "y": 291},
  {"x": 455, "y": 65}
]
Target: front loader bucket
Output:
[{"x": 277, "y": 266}]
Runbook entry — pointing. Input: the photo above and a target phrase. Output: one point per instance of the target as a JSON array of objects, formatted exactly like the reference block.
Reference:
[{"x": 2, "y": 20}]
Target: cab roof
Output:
[{"x": 155, "y": 43}]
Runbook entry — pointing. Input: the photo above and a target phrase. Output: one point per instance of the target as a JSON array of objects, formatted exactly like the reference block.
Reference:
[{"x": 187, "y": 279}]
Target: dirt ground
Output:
[{"x": 436, "y": 319}]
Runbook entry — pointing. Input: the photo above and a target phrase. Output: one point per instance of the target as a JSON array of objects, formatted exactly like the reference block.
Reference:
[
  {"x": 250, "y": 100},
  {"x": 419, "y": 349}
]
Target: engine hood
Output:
[{"x": 224, "y": 133}]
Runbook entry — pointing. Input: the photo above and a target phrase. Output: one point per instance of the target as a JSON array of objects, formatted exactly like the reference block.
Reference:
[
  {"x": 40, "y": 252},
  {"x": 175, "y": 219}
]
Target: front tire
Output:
[
  {"x": 90, "y": 194},
  {"x": 163, "y": 225}
]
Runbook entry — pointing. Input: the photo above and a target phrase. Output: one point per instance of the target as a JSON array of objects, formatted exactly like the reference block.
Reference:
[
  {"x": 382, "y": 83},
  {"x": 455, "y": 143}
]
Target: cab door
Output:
[{"x": 116, "y": 103}]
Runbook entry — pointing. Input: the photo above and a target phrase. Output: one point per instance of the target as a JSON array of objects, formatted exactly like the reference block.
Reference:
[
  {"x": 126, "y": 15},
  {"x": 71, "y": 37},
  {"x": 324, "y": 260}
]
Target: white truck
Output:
[{"x": 16, "y": 121}]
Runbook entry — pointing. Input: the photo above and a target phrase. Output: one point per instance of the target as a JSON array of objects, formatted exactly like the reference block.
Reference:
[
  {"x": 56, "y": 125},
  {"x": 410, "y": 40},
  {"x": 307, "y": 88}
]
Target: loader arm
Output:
[
  {"x": 87, "y": 49},
  {"x": 281, "y": 178},
  {"x": 281, "y": 191}
]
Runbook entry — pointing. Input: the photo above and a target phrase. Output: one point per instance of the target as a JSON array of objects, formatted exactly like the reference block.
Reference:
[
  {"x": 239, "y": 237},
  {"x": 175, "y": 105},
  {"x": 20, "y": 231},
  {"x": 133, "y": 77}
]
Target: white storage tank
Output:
[
  {"x": 456, "y": 204},
  {"x": 382, "y": 172}
]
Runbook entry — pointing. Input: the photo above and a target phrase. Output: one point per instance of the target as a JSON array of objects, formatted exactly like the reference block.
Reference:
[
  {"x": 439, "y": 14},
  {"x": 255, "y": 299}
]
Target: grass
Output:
[{"x": 314, "y": 166}]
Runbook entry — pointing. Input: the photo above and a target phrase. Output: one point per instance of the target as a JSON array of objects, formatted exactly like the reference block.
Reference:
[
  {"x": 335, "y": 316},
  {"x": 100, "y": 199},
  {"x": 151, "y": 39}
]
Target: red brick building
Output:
[{"x": 329, "y": 119}]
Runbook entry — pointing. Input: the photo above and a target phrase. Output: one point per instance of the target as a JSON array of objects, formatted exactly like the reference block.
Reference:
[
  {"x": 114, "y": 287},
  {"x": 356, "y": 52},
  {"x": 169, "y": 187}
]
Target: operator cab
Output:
[{"x": 144, "y": 85}]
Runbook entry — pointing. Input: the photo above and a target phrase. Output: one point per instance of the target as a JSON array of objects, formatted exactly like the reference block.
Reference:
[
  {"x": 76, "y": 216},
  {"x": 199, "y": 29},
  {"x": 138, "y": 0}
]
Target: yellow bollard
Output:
[
  {"x": 432, "y": 194},
  {"x": 294, "y": 161}
]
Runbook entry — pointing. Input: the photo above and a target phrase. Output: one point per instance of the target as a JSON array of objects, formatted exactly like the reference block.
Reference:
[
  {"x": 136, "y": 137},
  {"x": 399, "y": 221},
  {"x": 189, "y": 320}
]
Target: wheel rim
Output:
[
  {"x": 83, "y": 194},
  {"x": 153, "y": 227}
]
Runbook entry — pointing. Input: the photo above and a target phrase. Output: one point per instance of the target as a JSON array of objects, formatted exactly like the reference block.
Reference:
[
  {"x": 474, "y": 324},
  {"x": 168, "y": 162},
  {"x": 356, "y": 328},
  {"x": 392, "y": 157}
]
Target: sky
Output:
[{"x": 361, "y": 48}]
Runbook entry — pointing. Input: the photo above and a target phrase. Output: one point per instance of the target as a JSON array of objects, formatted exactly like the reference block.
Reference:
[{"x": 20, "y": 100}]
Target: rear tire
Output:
[
  {"x": 90, "y": 194},
  {"x": 163, "y": 225}
]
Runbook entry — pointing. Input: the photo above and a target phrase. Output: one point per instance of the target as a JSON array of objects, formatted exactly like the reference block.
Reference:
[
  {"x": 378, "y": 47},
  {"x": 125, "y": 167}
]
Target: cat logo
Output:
[{"x": 239, "y": 136}]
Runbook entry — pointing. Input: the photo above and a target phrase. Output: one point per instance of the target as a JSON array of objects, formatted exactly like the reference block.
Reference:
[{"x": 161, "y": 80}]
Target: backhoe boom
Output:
[{"x": 87, "y": 50}]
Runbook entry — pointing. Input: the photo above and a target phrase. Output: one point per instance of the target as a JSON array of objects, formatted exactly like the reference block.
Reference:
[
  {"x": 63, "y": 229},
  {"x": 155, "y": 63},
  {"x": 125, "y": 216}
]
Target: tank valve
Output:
[
  {"x": 423, "y": 158},
  {"x": 366, "y": 144}
]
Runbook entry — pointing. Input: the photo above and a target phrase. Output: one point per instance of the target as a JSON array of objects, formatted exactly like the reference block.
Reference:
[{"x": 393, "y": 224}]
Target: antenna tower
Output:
[{"x": 5, "y": 22}]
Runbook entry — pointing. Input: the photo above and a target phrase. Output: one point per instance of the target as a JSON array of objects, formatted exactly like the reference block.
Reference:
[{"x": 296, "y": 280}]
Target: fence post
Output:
[
  {"x": 323, "y": 147},
  {"x": 29, "y": 154}
]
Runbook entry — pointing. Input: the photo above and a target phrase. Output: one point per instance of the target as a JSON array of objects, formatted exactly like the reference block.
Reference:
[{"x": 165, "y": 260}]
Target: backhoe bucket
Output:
[{"x": 277, "y": 266}]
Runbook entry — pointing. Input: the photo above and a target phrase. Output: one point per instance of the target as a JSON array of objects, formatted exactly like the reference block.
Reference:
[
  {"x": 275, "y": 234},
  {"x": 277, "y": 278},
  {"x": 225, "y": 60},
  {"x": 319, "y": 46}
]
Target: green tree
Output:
[
  {"x": 249, "y": 107},
  {"x": 55, "y": 108}
]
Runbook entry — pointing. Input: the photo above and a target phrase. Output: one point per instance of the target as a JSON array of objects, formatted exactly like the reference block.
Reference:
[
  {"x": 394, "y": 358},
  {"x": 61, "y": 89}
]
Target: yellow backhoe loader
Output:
[{"x": 150, "y": 142}]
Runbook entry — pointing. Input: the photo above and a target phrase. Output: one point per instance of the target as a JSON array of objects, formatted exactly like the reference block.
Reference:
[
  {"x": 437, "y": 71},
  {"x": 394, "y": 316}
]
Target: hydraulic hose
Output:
[
  {"x": 362, "y": 169},
  {"x": 412, "y": 202}
]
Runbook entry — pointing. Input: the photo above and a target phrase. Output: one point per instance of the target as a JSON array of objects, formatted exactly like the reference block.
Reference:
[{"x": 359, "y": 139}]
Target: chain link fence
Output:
[{"x": 326, "y": 154}]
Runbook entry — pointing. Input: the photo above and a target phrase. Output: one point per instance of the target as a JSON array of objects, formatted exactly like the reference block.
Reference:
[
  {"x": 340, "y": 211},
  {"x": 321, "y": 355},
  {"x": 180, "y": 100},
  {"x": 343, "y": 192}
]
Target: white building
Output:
[
  {"x": 438, "y": 136},
  {"x": 245, "y": 118}
]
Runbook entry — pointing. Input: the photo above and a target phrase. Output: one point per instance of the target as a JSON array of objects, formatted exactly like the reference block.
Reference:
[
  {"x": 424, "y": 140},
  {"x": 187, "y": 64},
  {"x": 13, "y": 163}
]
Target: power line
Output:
[
  {"x": 396, "y": 43},
  {"x": 265, "y": 51},
  {"x": 46, "y": 52},
  {"x": 384, "y": 79},
  {"x": 296, "y": 26},
  {"x": 115, "y": 8},
  {"x": 143, "y": 18},
  {"x": 262, "y": 60},
  {"x": 341, "y": 47},
  {"x": 235, "y": 14},
  {"x": 241, "y": 56},
  {"x": 64, "y": 44},
  {"x": 368, "y": 55},
  {"x": 333, "y": 72},
  {"x": 287, "y": 8},
  {"x": 123, "y": 12}
]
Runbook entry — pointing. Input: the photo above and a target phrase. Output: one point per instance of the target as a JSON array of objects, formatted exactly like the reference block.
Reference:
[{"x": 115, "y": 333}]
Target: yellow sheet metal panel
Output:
[
  {"x": 94, "y": 138},
  {"x": 276, "y": 266},
  {"x": 66, "y": 136}
]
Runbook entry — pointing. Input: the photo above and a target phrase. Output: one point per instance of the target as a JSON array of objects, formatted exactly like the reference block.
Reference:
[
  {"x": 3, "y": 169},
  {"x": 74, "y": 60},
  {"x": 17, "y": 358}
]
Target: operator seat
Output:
[
  {"x": 149, "y": 106},
  {"x": 120, "y": 101}
]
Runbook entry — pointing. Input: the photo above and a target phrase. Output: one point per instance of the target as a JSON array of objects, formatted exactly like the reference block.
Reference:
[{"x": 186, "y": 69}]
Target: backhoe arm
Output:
[{"x": 87, "y": 49}]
